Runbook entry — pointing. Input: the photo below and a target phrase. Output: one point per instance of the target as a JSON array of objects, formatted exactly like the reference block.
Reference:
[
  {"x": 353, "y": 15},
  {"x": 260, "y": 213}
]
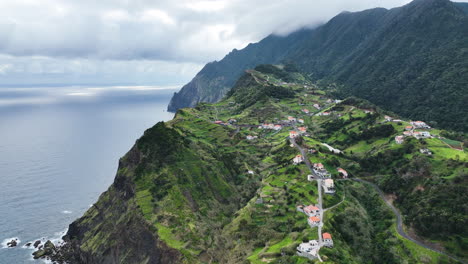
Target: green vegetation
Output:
[
  {"x": 186, "y": 190},
  {"x": 411, "y": 60}
]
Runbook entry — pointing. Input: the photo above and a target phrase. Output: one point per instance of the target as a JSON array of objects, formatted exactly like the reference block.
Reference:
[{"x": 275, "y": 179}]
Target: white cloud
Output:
[{"x": 136, "y": 38}]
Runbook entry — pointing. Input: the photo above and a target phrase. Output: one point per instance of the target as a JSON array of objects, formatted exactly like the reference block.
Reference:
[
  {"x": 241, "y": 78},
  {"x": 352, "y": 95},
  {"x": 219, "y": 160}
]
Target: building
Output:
[
  {"x": 368, "y": 111},
  {"x": 250, "y": 137},
  {"x": 277, "y": 127},
  {"x": 306, "y": 111},
  {"x": 291, "y": 119},
  {"x": 388, "y": 118},
  {"x": 300, "y": 208},
  {"x": 408, "y": 128},
  {"x": 317, "y": 106},
  {"x": 399, "y": 139},
  {"x": 311, "y": 210},
  {"x": 420, "y": 124},
  {"x": 313, "y": 221},
  {"x": 397, "y": 120},
  {"x": 328, "y": 186},
  {"x": 310, "y": 177},
  {"x": 338, "y": 101},
  {"x": 293, "y": 134},
  {"x": 300, "y": 121},
  {"x": 421, "y": 134},
  {"x": 324, "y": 114},
  {"x": 302, "y": 130},
  {"x": 327, "y": 240},
  {"x": 320, "y": 170},
  {"x": 343, "y": 172},
  {"x": 319, "y": 166},
  {"x": 298, "y": 159},
  {"x": 218, "y": 122},
  {"x": 407, "y": 133},
  {"x": 426, "y": 151},
  {"x": 251, "y": 172},
  {"x": 308, "y": 249}
]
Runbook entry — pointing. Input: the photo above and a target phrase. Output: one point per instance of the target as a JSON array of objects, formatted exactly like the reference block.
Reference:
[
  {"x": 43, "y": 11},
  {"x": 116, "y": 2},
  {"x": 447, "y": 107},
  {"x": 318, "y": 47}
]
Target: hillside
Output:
[
  {"x": 410, "y": 60},
  {"x": 218, "y": 184}
]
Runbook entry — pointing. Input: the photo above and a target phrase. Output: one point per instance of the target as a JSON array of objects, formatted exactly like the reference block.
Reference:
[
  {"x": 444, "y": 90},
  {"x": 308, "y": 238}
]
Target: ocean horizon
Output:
[{"x": 59, "y": 150}]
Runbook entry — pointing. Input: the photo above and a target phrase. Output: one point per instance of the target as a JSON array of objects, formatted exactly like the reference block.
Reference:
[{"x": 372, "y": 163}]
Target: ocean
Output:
[{"x": 59, "y": 150}]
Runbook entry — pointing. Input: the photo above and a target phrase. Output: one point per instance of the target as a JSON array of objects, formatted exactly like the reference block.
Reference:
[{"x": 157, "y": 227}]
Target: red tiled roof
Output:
[
  {"x": 314, "y": 219},
  {"x": 311, "y": 208},
  {"x": 326, "y": 236}
]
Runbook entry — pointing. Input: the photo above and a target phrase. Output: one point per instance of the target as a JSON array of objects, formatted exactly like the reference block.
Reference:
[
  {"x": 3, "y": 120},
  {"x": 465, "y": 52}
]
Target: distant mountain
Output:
[{"x": 412, "y": 60}]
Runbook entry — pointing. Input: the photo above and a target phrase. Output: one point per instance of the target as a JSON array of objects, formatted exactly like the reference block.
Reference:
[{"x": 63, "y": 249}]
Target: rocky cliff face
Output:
[{"x": 113, "y": 230}]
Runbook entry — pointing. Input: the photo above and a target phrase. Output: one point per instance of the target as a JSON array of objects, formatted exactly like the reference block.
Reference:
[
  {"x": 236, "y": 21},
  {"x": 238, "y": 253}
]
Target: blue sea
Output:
[{"x": 59, "y": 150}]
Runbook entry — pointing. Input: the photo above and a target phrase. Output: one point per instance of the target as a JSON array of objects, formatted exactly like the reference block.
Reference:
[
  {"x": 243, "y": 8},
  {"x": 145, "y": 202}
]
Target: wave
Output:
[{"x": 6, "y": 240}]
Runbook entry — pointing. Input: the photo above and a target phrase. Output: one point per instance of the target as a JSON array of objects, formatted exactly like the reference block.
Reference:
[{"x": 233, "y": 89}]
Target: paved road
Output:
[
  {"x": 399, "y": 220},
  {"x": 319, "y": 187}
]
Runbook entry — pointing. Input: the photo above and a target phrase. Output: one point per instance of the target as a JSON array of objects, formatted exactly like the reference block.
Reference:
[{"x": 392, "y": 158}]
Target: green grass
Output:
[{"x": 165, "y": 234}]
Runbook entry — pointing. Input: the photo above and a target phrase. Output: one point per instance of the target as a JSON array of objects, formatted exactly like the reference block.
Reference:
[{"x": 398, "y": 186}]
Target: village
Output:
[
  {"x": 294, "y": 126},
  {"x": 314, "y": 213}
]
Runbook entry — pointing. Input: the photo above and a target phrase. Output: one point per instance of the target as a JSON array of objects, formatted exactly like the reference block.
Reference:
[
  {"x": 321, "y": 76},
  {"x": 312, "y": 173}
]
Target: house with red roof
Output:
[
  {"x": 343, "y": 172},
  {"x": 327, "y": 240},
  {"x": 306, "y": 111},
  {"x": 313, "y": 221},
  {"x": 293, "y": 134},
  {"x": 298, "y": 159},
  {"x": 311, "y": 210}
]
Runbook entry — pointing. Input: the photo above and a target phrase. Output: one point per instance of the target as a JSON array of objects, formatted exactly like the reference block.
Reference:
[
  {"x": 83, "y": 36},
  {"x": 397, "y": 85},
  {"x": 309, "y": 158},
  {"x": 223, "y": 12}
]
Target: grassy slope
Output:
[{"x": 192, "y": 187}]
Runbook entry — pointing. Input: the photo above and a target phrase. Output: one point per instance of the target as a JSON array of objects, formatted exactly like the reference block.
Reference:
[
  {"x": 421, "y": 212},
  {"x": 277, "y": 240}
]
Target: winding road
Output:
[{"x": 399, "y": 220}]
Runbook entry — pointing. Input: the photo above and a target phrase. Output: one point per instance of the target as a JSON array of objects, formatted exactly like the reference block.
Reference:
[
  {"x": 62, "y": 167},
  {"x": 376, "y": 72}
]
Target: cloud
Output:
[
  {"x": 105, "y": 38},
  {"x": 184, "y": 30}
]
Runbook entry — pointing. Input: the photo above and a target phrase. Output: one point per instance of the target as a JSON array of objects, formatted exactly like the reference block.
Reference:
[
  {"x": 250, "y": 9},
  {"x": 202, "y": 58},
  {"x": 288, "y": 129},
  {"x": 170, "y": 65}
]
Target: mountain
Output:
[
  {"x": 411, "y": 60},
  {"x": 217, "y": 184}
]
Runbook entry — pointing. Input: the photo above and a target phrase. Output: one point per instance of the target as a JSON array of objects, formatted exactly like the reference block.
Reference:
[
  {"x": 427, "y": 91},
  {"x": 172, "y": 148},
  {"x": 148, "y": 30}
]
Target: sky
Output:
[{"x": 142, "y": 42}]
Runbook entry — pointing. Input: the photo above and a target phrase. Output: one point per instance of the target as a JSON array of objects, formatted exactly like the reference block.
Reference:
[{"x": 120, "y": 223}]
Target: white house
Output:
[
  {"x": 300, "y": 121},
  {"x": 324, "y": 114},
  {"x": 310, "y": 177},
  {"x": 298, "y": 159},
  {"x": 250, "y": 137},
  {"x": 311, "y": 210},
  {"x": 388, "y": 118},
  {"x": 327, "y": 240},
  {"x": 328, "y": 186},
  {"x": 251, "y": 172},
  {"x": 313, "y": 221},
  {"x": 420, "y": 124},
  {"x": 343, "y": 172},
  {"x": 277, "y": 127},
  {"x": 421, "y": 134},
  {"x": 317, "y": 106},
  {"x": 426, "y": 151},
  {"x": 308, "y": 249},
  {"x": 291, "y": 119},
  {"x": 399, "y": 139},
  {"x": 293, "y": 134},
  {"x": 338, "y": 101}
]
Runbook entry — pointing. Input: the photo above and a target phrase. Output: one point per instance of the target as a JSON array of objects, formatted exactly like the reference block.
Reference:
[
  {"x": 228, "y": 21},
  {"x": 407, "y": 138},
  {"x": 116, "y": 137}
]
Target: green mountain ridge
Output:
[
  {"x": 411, "y": 60},
  {"x": 196, "y": 190}
]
